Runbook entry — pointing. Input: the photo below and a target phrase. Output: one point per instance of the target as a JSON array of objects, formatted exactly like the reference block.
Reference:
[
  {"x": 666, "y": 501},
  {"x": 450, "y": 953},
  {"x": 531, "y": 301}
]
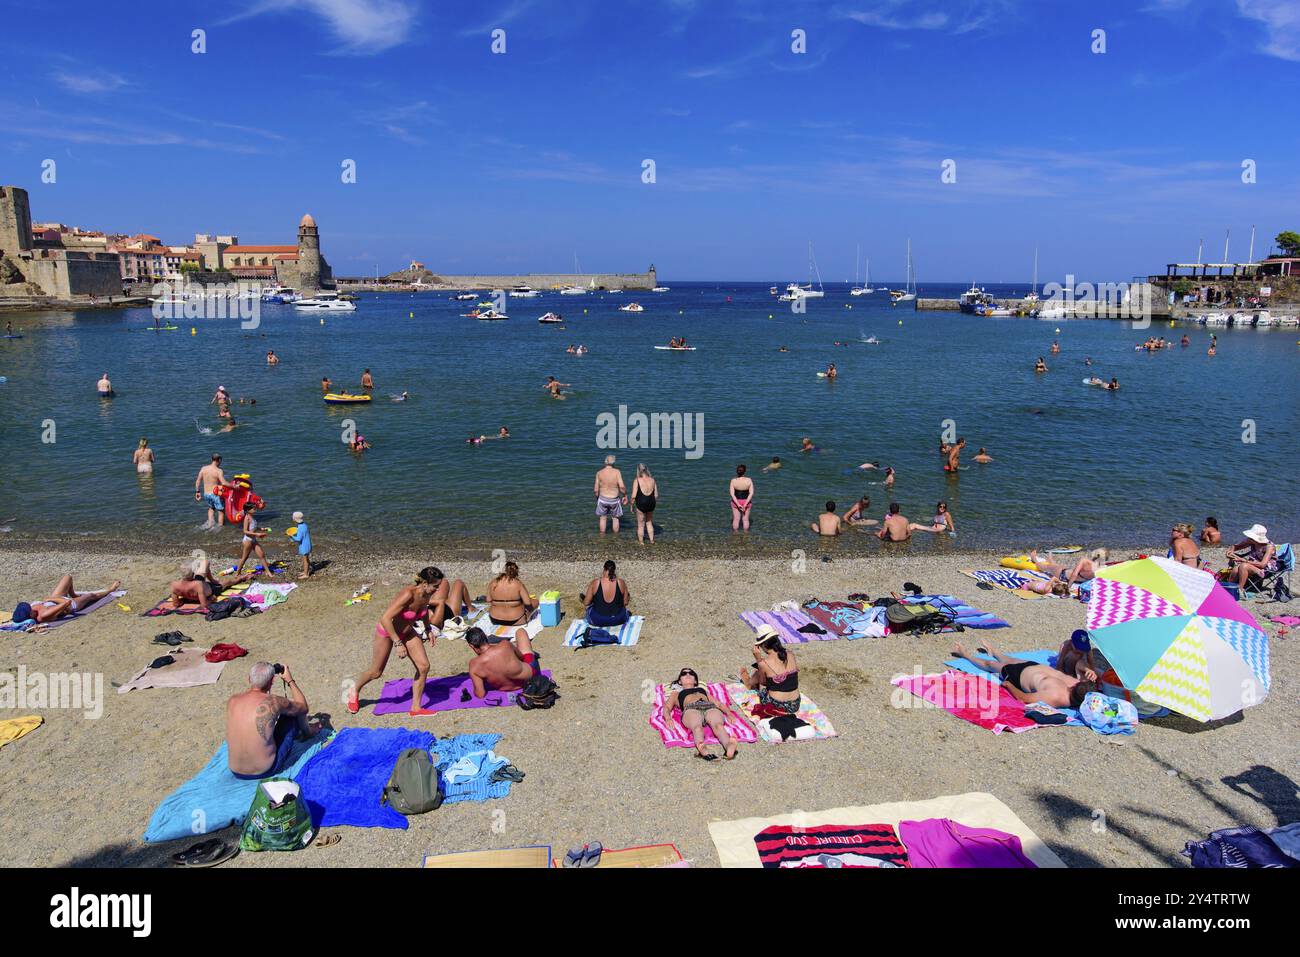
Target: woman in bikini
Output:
[
  {"x": 741, "y": 491},
  {"x": 252, "y": 540},
  {"x": 942, "y": 522},
  {"x": 143, "y": 458},
  {"x": 1182, "y": 548},
  {"x": 510, "y": 603},
  {"x": 1085, "y": 569},
  {"x": 645, "y": 496},
  {"x": 397, "y": 627},
  {"x": 776, "y": 677},
  {"x": 63, "y": 602},
  {"x": 700, "y": 709},
  {"x": 606, "y": 599}
]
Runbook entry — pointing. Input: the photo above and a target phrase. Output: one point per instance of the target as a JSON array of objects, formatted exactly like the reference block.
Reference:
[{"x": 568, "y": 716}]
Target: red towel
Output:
[
  {"x": 830, "y": 845},
  {"x": 225, "y": 652}
]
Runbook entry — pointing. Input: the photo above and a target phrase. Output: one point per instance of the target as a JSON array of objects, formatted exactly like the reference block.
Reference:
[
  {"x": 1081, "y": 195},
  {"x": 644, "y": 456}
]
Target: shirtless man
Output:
[
  {"x": 611, "y": 494},
  {"x": 103, "y": 386},
  {"x": 325, "y": 385},
  {"x": 1040, "y": 365},
  {"x": 261, "y": 727},
  {"x": 828, "y": 522},
  {"x": 954, "y": 456},
  {"x": 983, "y": 457},
  {"x": 774, "y": 465},
  {"x": 209, "y": 477},
  {"x": 1029, "y": 682},
  {"x": 831, "y": 371},
  {"x": 500, "y": 666},
  {"x": 367, "y": 382},
  {"x": 555, "y": 385},
  {"x": 272, "y": 359},
  {"x": 896, "y": 527},
  {"x": 63, "y": 601},
  {"x": 198, "y": 586}
]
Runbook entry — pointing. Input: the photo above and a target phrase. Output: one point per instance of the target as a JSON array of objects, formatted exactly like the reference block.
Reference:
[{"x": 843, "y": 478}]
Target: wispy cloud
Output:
[
  {"x": 929, "y": 14},
  {"x": 361, "y": 26},
  {"x": 1281, "y": 21},
  {"x": 504, "y": 17},
  {"x": 90, "y": 83},
  {"x": 405, "y": 122},
  {"x": 47, "y": 125}
]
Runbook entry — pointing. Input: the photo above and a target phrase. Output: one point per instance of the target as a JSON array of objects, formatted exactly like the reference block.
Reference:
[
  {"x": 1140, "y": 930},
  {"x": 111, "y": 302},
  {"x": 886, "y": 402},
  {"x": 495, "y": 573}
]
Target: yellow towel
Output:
[{"x": 11, "y": 729}]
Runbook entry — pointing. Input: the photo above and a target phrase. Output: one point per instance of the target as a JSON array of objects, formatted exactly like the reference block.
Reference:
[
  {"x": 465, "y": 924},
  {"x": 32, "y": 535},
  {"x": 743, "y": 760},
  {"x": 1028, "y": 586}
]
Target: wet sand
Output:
[{"x": 595, "y": 768}]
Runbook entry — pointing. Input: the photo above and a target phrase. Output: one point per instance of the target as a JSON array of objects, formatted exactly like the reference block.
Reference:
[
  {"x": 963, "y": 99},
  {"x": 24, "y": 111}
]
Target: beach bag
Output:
[
  {"x": 278, "y": 819},
  {"x": 1107, "y": 715},
  {"x": 540, "y": 692},
  {"x": 595, "y": 636},
  {"x": 415, "y": 786},
  {"x": 918, "y": 619}
]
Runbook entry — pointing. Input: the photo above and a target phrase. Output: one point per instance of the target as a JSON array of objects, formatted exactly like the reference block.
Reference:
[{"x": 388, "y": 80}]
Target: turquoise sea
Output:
[{"x": 1072, "y": 463}]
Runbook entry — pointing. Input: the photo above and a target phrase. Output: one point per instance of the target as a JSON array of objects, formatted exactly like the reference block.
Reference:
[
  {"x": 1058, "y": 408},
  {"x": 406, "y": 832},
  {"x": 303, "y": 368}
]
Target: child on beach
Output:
[
  {"x": 252, "y": 541},
  {"x": 303, "y": 537}
]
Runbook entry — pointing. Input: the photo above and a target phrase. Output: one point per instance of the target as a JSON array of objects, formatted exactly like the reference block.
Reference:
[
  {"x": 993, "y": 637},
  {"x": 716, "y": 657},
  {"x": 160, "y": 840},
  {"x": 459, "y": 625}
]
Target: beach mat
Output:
[
  {"x": 215, "y": 799},
  {"x": 512, "y": 857},
  {"x": 787, "y": 625},
  {"x": 189, "y": 670},
  {"x": 968, "y": 615},
  {"x": 342, "y": 784},
  {"x": 441, "y": 694},
  {"x": 9, "y": 625},
  {"x": 629, "y": 633},
  {"x": 165, "y": 607},
  {"x": 747, "y": 700},
  {"x": 675, "y": 734},
  {"x": 650, "y": 855},
  {"x": 734, "y": 840},
  {"x": 971, "y": 698}
]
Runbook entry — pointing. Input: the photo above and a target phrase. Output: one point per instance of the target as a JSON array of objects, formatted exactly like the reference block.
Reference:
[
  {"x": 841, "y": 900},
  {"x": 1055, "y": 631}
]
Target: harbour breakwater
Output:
[{"x": 541, "y": 281}]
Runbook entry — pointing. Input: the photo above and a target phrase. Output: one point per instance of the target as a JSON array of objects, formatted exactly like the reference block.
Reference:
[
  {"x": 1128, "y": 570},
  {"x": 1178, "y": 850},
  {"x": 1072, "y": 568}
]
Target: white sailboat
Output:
[
  {"x": 908, "y": 293},
  {"x": 865, "y": 289},
  {"x": 1033, "y": 291},
  {"x": 574, "y": 290},
  {"x": 795, "y": 291}
]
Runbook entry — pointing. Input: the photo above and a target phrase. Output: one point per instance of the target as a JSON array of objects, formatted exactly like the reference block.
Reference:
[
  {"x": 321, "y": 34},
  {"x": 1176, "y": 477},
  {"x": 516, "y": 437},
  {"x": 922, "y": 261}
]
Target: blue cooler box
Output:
[{"x": 550, "y": 609}]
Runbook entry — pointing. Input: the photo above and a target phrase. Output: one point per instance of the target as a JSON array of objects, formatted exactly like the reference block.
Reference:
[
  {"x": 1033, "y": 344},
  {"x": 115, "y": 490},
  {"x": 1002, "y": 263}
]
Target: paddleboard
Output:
[
  {"x": 10, "y": 337},
  {"x": 675, "y": 348}
]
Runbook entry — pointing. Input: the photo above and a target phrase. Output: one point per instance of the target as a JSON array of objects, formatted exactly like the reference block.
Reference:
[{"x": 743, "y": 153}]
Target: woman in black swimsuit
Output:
[
  {"x": 645, "y": 495},
  {"x": 776, "y": 679},
  {"x": 698, "y": 709},
  {"x": 606, "y": 599}
]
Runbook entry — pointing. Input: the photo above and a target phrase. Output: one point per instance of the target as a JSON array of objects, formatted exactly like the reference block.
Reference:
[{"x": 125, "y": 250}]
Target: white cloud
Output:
[
  {"x": 1281, "y": 20},
  {"x": 929, "y": 14},
  {"x": 363, "y": 26},
  {"x": 90, "y": 82}
]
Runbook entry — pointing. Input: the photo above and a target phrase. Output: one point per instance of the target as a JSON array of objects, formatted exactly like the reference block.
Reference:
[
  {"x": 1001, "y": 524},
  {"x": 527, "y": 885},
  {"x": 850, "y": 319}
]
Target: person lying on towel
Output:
[
  {"x": 197, "y": 586},
  {"x": 261, "y": 727},
  {"x": 500, "y": 665},
  {"x": 1029, "y": 681},
  {"x": 63, "y": 601}
]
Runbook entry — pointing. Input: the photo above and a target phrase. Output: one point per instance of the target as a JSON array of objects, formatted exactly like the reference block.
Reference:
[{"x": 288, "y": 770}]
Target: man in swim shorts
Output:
[
  {"x": 1029, "y": 681},
  {"x": 828, "y": 523},
  {"x": 261, "y": 727},
  {"x": 611, "y": 494},
  {"x": 209, "y": 477},
  {"x": 896, "y": 527},
  {"x": 500, "y": 665},
  {"x": 104, "y": 387},
  {"x": 197, "y": 585}
]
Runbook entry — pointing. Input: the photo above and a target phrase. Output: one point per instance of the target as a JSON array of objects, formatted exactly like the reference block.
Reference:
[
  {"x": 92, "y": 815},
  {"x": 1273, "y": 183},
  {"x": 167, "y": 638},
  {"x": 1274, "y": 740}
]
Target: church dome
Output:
[{"x": 307, "y": 221}]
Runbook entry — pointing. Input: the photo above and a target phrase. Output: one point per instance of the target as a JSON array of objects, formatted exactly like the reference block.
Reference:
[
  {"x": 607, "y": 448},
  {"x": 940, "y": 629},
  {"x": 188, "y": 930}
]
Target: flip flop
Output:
[
  {"x": 706, "y": 757},
  {"x": 196, "y": 851},
  {"x": 573, "y": 857},
  {"x": 507, "y": 773},
  {"x": 328, "y": 840},
  {"x": 591, "y": 854},
  {"x": 222, "y": 854}
]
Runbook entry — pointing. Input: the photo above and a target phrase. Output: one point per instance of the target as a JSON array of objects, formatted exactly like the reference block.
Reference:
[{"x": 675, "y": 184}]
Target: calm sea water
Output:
[{"x": 1072, "y": 463}]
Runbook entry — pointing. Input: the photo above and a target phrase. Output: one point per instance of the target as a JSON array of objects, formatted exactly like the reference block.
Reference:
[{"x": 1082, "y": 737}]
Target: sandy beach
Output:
[{"x": 595, "y": 768}]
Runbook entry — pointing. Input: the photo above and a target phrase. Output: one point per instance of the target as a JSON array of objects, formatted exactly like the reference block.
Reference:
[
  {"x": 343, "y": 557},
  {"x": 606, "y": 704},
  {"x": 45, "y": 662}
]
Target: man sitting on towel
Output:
[
  {"x": 498, "y": 665},
  {"x": 261, "y": 727},
  {"x": 1029, "y": 681},
  {"x": 197, "y": 585}
]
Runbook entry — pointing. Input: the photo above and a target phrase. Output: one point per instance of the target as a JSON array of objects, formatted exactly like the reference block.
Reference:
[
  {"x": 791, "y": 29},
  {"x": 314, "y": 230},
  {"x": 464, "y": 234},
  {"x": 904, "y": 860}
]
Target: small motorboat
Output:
[
  {"x": 632, "y": 307},
  {"x": 551, "y": 317},
  {"x": 489, "y": 315},
  {"x": 326, "y": 302}
]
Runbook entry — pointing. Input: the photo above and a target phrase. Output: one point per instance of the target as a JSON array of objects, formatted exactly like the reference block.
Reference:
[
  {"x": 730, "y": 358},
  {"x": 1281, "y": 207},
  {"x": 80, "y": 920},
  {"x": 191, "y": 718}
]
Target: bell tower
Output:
[{"x": 308, "y": 255}]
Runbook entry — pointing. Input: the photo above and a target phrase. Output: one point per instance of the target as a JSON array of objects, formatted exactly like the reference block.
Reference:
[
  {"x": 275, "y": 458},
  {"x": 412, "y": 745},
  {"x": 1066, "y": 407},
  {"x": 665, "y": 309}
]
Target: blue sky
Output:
[{"x": 1112, "y": 163}]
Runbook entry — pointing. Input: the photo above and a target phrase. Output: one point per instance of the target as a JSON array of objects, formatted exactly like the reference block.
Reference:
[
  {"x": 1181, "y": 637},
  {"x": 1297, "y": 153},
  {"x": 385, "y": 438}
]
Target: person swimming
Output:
[
  {"x": 806, "y": 445},
  {"x": 1040, "y": 365},
  {"x": 774, "y": 465}
]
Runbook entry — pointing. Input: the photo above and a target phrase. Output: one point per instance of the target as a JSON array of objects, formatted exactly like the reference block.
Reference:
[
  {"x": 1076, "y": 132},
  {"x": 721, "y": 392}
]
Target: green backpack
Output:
[
  {"x": 278, "y": 819},
  {"x": 415, "y": 784}
]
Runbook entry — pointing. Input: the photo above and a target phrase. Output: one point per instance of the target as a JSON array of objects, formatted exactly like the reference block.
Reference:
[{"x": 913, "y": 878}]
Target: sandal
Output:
[
  {"x": 328, "y": 840},
  {"x": 706, "y": 757},
  {"x": 196, "y": 851},
  {"x": 591, "y": 854},
  {"x": 573, "y": 857}
]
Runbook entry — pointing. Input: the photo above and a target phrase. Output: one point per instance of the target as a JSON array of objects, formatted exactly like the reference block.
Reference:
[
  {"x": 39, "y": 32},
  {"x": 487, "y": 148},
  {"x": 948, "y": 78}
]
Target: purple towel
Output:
[
  {"x": 440, "y": 694},
  {"x": 787, "y": 624},
  {"x": 940, "y": 842}
]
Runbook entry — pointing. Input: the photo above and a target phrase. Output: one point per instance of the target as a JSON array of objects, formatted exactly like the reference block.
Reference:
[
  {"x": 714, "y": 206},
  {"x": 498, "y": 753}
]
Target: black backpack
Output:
[
  {"x": 540, "y": 692},
  {"x": 595, "y": 636}
]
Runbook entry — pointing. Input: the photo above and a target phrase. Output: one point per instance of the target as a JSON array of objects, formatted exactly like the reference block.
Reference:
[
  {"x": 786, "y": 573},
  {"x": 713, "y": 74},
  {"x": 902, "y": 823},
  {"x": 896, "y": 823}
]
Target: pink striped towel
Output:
[{"x": 675, "y": 735}]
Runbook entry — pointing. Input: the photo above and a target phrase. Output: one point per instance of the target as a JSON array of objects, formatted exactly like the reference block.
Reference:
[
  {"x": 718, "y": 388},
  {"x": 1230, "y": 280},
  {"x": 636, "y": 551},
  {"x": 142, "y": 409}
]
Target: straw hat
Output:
[{"x": 1257, "y": 533}]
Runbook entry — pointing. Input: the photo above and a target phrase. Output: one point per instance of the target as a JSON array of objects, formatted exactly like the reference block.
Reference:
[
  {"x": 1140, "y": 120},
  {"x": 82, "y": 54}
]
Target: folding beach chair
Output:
[{"x": 1277, "y": 583}]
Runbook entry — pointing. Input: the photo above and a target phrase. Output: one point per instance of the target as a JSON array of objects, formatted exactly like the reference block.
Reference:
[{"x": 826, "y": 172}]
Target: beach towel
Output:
[
  {"x": 735, "y": 839},
  {"x": 452, "y": 693},
  {"x": 1014, "y": 581},
  {"x": 968, "y": 616},
  {"x": 31, "y": 625},
  {"x": 830, "y": 845},
  {"x": 981, "y": 702},
  {"x": 809, "y": 713},
  {"x": 532, "y": 627},
  {"x": 266, "y": 595},
  {"x": 165, "y": 606},
  {"x": 1041, "y": 656},
  {"x": 941, "y": 842},
  {"x": 842, "y": 618},
  {"x": 447, "y": 752},
  {"x": 629, "y": 633},
  {"x": 214, "y": 798},
  {"x": 787, "y": 625},
  {"x": 674, "y": 733},
  {"x": 343, "y": 783},
  {"x": 650, "y": 855},
  {"x": 11, "y": 729},
  {"x": 513, "y": 857},
  {"x": 189, "y": 669}
]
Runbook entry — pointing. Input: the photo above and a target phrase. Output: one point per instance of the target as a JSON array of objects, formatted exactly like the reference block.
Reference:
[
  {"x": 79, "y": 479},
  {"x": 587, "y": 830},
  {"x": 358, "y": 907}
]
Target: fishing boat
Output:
[
  {"x": 794, "y": 291},
  {"x": 973, "y": 297},
  {"x": 632, "y": 307},
  {"x": 551, "y": 317},
  {"x": 865, "y": 289},
  {"x": 908, "y": 293},
  {"x": 325, "y": 302}
]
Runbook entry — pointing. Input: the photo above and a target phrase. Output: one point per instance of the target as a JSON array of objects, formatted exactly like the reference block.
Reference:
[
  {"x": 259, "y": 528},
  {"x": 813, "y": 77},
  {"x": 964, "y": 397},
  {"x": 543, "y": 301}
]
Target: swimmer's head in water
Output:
[
  {"x": 429, "y": 575},
  {"x": 776, "y": 460},
  {"x": 830, "y": 505}
]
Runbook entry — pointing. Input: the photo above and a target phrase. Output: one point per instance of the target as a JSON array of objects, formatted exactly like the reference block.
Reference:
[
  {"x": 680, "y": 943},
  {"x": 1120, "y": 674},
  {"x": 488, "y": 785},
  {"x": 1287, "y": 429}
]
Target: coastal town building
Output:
[{"x": 45, "y": 267}]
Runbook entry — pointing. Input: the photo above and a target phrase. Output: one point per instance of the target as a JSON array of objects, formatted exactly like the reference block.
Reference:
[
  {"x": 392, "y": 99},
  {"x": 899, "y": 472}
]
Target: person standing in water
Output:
[
  {"x": 645, "y": 496},
  {"x": 367, "y": 381},
  {"x": 611, "y": 494},
  {"x": 741, "y": 492},
  {"x": 143, "y": 458},
  {"x": 104, "y": 387}
]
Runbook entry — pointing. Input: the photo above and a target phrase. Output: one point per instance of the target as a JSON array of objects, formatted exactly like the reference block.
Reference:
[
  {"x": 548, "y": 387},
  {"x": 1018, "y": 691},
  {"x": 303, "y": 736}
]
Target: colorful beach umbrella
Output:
[{"x": 1177, "y": 638}]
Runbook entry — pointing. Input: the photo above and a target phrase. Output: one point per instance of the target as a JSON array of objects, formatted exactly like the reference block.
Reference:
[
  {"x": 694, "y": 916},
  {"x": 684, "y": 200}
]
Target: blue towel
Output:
[
  {"x": 450, "y": 750},
  {"x": 345, "y": 782},
  {"x": 472, "y": 767},
  {"x": 1041, "y": 656},
  {"x": 967, "y": 615},
  {"x": 214, "y": 798}
]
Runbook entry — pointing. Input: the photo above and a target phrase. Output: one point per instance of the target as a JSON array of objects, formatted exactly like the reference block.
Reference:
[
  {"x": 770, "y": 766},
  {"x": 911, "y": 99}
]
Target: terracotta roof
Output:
[{"x": 262, "y": 249}]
